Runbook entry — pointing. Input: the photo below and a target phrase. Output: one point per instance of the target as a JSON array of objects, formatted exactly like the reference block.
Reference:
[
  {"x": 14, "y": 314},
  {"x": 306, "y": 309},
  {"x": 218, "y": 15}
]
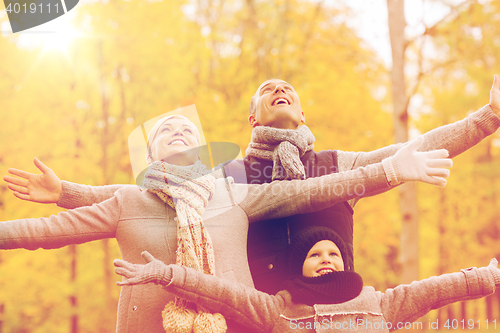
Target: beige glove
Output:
[
  {"x": 408, "y": 165},
  {"x": 493, "y": 267},
  {"x": 154, "y": 271}
]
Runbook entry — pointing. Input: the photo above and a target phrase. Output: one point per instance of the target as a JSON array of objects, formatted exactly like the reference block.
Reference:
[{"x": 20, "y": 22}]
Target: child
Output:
[{"x": 320, "y": 296}]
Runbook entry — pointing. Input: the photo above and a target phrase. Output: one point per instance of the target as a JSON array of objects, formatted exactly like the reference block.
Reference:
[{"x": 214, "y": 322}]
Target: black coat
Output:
[{"x": 268, "y": 240}]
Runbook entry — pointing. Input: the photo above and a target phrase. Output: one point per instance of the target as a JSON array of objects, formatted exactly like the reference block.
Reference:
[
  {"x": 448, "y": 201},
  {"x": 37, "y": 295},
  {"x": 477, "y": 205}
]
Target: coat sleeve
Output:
[
  {"x": 76, "y": 195},
  {"x": 456, "y": 138},
  {"x": 245, "y": 305},
  {"x": 286, "y": 198},
  {"x": 76, "y": 226},
  {"x": 407, "y": 303}
]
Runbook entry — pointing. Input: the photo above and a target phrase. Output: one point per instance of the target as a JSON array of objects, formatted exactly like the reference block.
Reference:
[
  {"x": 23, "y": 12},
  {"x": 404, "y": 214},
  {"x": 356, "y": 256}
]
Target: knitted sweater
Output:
[
  {"x": 140, "y": 221},
  {"x": 456, "y": 137},
  {"x": 371, "y": 311}
]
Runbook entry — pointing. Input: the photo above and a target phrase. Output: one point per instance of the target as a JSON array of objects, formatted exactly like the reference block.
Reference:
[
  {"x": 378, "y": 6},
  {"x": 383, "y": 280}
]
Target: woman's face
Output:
[{"x": 176, "y": 142}]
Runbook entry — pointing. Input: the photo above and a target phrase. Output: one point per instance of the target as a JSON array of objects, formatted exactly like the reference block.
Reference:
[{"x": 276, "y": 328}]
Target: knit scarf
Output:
[
  {"x": 187, "y": 190},
  {"x": 284, "y": 147},
  {"x": 332, "y": 288}
]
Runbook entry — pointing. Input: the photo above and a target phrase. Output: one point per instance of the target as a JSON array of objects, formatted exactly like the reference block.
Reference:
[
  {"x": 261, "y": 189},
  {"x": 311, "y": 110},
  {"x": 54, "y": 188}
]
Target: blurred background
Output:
[{"x": 72, "y": 91}]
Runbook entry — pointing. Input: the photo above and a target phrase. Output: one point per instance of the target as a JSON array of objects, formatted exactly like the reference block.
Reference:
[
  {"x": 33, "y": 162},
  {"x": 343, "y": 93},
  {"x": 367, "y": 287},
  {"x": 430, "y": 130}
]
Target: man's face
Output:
[
  {"x": 323, "y": 258},
  {"x": 176, "y": 143},
  {"x": 276, "y": 105}
]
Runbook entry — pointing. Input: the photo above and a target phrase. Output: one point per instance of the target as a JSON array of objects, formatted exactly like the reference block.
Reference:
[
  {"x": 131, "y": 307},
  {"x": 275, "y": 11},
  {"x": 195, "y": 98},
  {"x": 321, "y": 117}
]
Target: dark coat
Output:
[{"x": 268, "y": 240}]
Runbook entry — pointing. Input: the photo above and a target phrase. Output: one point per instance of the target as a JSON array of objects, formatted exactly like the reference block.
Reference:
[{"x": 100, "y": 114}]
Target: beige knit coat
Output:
[
  {"x": 140, "y": 221},
  {"x": 370, "y": 312}
]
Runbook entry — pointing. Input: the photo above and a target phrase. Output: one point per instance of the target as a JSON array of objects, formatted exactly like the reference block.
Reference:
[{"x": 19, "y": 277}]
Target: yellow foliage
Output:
[{"x": 137, "y": 59}]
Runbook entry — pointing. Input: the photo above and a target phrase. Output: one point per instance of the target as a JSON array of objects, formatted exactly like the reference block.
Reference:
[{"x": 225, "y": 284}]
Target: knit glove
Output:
[
  {"x": 408, "y": 165},
  {"x": 154, "y": 271},
  {"x": 493, "y": 267}
]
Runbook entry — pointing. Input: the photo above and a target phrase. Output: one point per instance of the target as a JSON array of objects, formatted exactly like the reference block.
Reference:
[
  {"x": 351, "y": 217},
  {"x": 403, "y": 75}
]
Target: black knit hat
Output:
[
  {"x": 333, "y": 288},
  {"x": 305, "y": 240}
]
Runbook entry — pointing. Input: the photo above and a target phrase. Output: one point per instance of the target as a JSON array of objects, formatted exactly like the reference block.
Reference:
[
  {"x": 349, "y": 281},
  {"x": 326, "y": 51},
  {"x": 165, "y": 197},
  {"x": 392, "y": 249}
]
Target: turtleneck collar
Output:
[{"x": 332, "y": 288}]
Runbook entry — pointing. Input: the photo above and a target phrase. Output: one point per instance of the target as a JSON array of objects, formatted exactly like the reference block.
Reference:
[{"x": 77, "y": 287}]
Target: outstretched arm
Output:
[
  {"x": 456, "y": 137},
  {"x": 71, "y": 227},
  {"x": 243, "y": 304},
  {"x": 407, "y": 303},
  {"x": 48, "y": 188},
  {"x": 286, "y": 198}
]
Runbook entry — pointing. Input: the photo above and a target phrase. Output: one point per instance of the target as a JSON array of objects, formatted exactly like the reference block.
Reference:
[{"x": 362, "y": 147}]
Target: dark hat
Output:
[{"x": 305, "y": 240}]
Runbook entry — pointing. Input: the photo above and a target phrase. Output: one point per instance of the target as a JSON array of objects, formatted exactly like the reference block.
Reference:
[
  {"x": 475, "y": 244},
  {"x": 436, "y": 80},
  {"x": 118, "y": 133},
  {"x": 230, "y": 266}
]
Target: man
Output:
[
  {"x": 276, "y": 116},
  {"x": 282, "y": 149},
  {"x": 276, "y": 105}
]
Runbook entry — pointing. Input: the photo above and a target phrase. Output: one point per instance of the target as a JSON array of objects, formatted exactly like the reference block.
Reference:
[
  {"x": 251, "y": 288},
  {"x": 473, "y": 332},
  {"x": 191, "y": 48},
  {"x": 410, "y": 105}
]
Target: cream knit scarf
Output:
[
  {"x": 284, "y": 147},
  {"x": 187, "y": 190}
]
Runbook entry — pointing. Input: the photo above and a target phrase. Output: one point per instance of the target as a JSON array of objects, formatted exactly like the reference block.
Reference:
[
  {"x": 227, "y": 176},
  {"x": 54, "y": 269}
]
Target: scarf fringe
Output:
[
  {"x": 177, "y": 318},
  {"x": 207, "y": 322}
]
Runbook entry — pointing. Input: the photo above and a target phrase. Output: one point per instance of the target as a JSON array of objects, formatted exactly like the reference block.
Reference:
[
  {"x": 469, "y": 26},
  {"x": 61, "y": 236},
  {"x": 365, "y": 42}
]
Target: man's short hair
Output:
[{"x": 252, "y": 109}]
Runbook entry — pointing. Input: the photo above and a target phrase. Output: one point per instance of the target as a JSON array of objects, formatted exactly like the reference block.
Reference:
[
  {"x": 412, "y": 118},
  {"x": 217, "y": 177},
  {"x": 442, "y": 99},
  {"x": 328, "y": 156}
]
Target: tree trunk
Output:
[
  {"x": 72, "y": 298},
  {"x": 450, "y": 312},
  {"x": 496, "y": 298},
  {"x": 489, "y": 307},
  {"x": 2, "y": 309},
  {"x": 407, "y": 192},
  {"x": 121, "y": 124},
  {"x": 463, "y": 311},
  {"x": 108, "y": 274},
  {"x": 442, "y": 254}
]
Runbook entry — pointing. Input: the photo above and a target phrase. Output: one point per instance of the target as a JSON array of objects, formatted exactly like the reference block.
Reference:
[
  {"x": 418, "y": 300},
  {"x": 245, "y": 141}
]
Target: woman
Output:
[{"x": 148, "y": 219}]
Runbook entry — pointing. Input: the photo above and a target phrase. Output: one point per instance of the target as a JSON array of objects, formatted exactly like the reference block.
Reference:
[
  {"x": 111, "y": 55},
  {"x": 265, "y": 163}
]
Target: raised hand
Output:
[
  {"x": 493, "y": 267},
  {"x": 428, "y": 167},
  {"x": 493, "y": 263},
  {"x": 154, "y": 271},
  {"x": 42, "y": 188},
  {"x": 495, "y": 96}
]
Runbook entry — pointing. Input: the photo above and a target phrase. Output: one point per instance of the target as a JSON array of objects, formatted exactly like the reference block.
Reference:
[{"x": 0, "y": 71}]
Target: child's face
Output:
[{"x": 323, "y": 258}]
